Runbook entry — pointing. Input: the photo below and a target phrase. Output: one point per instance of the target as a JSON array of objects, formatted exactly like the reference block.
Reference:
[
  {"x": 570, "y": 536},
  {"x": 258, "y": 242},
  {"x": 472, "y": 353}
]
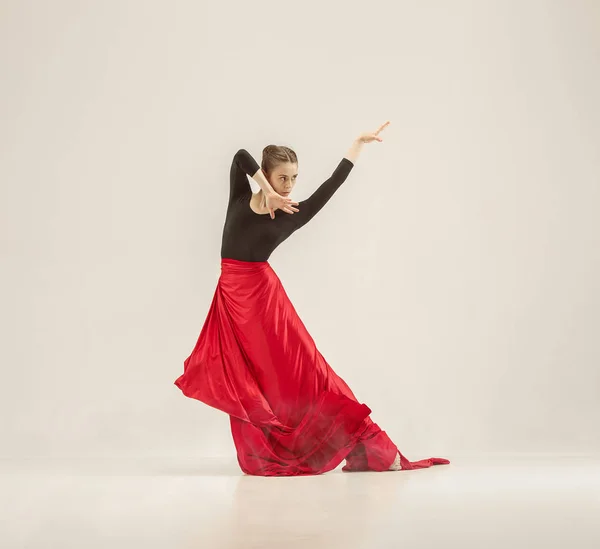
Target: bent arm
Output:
[
  {"x": 313, "y": 204},
  {"x": 243, "y": 164}
]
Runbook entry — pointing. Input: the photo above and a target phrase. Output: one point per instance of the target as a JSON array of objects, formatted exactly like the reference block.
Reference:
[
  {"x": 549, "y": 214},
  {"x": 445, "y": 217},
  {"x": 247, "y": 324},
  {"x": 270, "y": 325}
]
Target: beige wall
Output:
[{"x": 453, "y": 281}]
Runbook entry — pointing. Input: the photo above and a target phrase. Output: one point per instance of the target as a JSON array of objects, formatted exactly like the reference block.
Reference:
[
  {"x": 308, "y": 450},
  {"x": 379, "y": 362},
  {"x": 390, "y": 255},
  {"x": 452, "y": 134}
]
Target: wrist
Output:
[
  {"x": 354, "y": 150},
  {"x": 263, "y": 183}
]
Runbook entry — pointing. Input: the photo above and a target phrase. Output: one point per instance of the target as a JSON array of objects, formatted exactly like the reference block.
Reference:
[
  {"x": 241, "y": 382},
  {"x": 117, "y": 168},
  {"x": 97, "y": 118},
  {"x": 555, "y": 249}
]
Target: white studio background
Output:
[{"x": 453, "y": 281}]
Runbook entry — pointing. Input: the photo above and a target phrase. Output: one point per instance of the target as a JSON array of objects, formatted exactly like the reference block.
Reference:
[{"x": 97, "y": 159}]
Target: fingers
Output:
[
  {"x": 285, "y": 204},
  {"x": 382, "y": 127},
  {"x": 290, "y": 205}
]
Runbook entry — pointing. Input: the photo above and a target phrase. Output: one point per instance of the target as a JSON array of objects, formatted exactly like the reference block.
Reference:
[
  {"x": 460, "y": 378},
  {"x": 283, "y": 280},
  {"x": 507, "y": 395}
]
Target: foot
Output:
[{"x": 396, "y": 466}]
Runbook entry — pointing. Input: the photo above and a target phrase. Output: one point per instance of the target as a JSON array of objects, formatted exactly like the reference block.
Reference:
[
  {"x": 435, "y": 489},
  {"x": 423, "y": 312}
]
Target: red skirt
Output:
[{"x": 291, "y": 414}]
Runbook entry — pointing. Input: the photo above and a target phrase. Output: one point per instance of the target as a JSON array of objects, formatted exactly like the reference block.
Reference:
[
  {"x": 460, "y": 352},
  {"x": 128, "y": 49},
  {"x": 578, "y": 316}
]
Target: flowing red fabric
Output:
[{"x": 290, "y": 413}]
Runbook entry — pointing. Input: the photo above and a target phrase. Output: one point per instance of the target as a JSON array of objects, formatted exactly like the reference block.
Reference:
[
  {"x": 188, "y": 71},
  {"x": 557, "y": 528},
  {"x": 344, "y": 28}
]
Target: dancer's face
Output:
[{"x": 283, "y": 178}]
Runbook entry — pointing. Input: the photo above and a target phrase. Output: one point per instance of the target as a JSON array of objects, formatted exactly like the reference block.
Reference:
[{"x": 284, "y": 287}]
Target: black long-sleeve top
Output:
[{"x": 248, "y": 236}]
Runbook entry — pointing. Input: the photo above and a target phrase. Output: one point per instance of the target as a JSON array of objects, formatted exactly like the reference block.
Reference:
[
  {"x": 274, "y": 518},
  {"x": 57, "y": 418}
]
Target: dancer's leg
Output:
[{"x": 375, "y": 451}]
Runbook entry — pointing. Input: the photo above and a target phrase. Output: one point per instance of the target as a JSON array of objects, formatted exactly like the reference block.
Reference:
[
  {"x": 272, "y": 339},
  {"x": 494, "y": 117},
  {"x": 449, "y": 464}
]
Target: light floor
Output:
[{"x": 483, "y": 503}]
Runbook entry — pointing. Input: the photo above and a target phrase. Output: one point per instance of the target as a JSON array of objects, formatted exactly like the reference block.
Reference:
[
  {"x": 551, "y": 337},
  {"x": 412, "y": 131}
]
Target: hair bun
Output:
[{"x": 272, "y": 155}]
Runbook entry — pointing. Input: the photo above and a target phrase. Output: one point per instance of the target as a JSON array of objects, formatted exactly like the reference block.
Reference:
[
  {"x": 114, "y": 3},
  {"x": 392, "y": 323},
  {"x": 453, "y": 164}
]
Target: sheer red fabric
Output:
[{"x": 290, "y": 413}]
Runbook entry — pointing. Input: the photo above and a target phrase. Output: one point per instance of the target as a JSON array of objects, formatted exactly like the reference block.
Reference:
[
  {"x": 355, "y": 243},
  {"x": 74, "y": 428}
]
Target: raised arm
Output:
[
  {"x": 243, "y": 164},
  {"x": 311, "y": 206}
]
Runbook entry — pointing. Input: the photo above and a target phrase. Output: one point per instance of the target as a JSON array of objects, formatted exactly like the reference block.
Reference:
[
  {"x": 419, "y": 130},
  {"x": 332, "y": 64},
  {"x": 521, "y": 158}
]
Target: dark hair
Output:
[{"x": 273, "y": 155}]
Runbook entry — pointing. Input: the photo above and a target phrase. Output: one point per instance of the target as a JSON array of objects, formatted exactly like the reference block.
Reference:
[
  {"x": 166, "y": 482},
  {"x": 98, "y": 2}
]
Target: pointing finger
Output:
[{"x": 382, "y": 127}]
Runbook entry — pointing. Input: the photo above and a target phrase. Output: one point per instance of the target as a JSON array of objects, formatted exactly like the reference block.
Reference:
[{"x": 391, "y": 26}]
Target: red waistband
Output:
[
  {"x": 228, "y": 260},
  {"x": 237, "y": 266}
]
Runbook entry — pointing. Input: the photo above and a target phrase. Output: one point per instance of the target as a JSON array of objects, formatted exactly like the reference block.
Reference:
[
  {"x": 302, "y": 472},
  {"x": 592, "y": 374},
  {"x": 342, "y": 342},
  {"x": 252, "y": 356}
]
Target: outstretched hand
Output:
[
  {"x": 368, "y": 136},
  {"x": 277, "y": 202}
]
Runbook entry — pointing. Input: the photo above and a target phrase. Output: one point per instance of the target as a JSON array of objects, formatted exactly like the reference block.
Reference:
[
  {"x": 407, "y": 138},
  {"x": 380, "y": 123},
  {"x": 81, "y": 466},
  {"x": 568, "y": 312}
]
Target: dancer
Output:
[{"x": 290, "y": 413}]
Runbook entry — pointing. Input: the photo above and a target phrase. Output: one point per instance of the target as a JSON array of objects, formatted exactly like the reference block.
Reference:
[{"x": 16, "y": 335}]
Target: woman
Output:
[{"x": 290, "y": 413}]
